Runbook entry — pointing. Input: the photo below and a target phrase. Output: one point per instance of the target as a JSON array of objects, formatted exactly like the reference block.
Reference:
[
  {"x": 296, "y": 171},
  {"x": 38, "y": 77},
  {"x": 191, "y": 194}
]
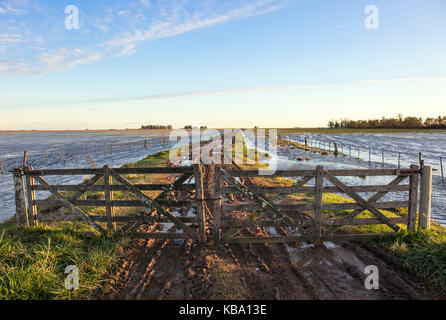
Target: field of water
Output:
[
  {"x": 355, "y": 149},
  {"x": 71, "y": 150},
  {"x": 77, "y": 149}
]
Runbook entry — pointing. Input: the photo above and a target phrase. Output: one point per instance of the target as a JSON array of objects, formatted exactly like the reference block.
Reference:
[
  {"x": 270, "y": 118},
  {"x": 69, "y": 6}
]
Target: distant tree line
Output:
[
  {"x": 155, "y": 126},
  {"x": 390, "y": 123}
]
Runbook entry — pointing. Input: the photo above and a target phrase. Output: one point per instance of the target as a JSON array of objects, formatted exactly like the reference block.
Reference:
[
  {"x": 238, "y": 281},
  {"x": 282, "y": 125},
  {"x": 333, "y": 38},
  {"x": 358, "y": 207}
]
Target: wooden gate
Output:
[
  {"x": 241, "y": 210},
  {"x": 314, "y": 219},
  {"x": 99, "y": 191}
]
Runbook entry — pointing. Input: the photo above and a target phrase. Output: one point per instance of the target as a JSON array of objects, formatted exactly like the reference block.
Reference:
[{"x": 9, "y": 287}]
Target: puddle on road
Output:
[
  {"x": 334, "y": 253},
  {"x": 341, "y": 254}
]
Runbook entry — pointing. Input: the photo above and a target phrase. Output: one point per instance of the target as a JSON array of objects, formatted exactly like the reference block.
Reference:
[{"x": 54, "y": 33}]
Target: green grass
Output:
[
  {"x": 33, "y": 261},
  {"x": 160, "y": 158},
  {"x": 422, "y": 252}
]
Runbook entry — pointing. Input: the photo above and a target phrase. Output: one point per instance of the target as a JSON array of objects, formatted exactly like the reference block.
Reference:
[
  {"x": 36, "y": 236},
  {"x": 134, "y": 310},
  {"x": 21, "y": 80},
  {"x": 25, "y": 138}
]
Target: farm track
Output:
[
  {"x": 171, "y": 270},
  {"x": 168, "y": 270}
]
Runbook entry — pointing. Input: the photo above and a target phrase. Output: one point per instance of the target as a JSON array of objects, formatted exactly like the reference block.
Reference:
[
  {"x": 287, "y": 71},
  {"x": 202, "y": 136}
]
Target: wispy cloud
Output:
[
  {"x": 179, "y": 22},
  {"x": 145, "y": 3},
  {"x": 345, "y": 25},
  {"x": 7, "y": 7},
  {"x": 171, "y": 18},
  {"x": 252, "y": 90},
  {"x": 18, "y": 67},
  {"x": 67, "y": 58},
  {"x": 10, "y": 38},
  {"x": 269, "y": 88}
]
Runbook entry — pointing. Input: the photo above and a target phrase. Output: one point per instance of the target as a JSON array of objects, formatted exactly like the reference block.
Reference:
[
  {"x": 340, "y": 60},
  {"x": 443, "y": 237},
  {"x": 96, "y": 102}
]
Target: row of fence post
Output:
[
  {"x": 114, "y": 147},
  {"x": 322, "y": 145}
]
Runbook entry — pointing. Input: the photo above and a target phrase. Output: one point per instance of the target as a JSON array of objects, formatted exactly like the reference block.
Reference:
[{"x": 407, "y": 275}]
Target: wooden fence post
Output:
[
  {"x": 199, "y": 196},
  {"x": 425, "y": 198},
  {"x": 31, "y": 196},
  {"x": 336, "y": 152},
  {"x": 217, "y": 206},
  {"x": 318, "y": 192},
  {"x": 413, "y": 195},
  {"x": 108, "y": 181},
  {"x": 20, "y": 202},
  {"x": 47, "y": 157},
  {"x": 441, "y": 169},
  {"x": 370, "y": 156},
  {"x": 1, "y": 165},
  {"x": 25, "y": 156}
]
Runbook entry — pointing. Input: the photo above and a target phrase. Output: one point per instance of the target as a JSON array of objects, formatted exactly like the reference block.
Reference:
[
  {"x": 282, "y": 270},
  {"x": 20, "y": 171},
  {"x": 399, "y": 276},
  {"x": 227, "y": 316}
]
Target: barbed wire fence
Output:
[
  {"x": 93, "y": 151},
  {"x": 85, "y": 152},
  {"x": 358, "y": 152}
]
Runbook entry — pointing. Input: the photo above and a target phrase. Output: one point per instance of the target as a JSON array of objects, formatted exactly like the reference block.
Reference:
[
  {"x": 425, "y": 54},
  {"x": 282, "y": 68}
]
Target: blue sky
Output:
[{"x": 271, "y": 63}]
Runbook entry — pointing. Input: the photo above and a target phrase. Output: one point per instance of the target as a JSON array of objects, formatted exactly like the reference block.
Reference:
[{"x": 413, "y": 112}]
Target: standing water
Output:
[
  {"x": 384, "y": 150},
  {"x": 71, "y": 150}
]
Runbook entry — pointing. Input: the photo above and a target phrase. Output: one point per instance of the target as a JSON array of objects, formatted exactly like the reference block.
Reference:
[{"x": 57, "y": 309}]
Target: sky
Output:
[{"x": 220, "y": 63}]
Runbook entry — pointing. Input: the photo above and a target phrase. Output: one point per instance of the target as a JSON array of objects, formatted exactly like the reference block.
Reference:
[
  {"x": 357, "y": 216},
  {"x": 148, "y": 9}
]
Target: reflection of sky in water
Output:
[
  {"x": 131, "y": 149},
  {"x": 74, "y": 146},
  {"x": 408, "y": 144}
]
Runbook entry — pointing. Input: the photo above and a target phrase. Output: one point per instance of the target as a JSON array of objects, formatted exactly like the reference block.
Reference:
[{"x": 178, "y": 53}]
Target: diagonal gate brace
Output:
[
  {"x": 361, "y": 201},
  {"x": 153, "y": 204},
  {"x": 68, "y": 204},
  {"x": 264, "y": 204}
]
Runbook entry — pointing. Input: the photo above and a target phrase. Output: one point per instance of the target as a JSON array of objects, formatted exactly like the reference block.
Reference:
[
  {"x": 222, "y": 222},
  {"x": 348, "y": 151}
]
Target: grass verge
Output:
[
  {"x": 33, "y": 261},
  {"x": 422, "y": 252}
]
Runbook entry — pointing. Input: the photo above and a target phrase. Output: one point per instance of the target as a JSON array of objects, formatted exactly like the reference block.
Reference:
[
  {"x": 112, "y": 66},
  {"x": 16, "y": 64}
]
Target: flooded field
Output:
[
  {"x": 74, "y": 150},
  {"x": 407, "y": 146},
  {"x": 71, "y": 150}
]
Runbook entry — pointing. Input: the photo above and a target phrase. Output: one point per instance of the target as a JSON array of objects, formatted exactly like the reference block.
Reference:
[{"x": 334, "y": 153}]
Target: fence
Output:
[
  {"x": 156, "y": 209},
  {"x": 82, "y": 152},
  {"x": 258, "y": 207},
  {"x": 354, "y": 151},
  {"x": 311, "y": 221}
]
